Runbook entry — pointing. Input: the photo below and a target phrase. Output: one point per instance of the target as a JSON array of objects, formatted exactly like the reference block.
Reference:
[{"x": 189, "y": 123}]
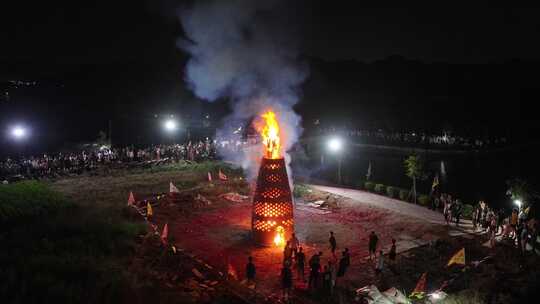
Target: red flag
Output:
[
  {"x": 209, "y": 177},
  {"x": 420, "y": 289},
  {"x": 222, "y": 176},
  {"x": 165, "y": 234},
  {"x": 131, "y": 199}
]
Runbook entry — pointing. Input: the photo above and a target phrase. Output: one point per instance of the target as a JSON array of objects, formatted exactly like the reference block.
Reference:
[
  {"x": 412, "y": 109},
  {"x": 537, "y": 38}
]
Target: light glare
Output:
[
  {"x": 18, "y": 132},
  {"x": 170, "y": 125},
  {"x": 335, "y": 144}
]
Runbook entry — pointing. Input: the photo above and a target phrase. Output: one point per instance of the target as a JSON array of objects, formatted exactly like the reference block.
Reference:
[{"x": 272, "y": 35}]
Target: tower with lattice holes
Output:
[{"x": 272, "y": 203}]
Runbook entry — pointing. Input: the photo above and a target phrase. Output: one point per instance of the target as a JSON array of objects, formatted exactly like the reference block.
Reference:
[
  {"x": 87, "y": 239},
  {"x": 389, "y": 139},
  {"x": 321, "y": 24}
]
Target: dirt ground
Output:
[
  {"x": 212, "y": 234},
  {"x": 220, "y": 235}
]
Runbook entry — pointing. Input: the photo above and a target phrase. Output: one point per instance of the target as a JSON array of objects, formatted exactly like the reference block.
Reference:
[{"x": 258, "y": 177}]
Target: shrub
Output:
[
  {"x": 424, "y": 200},
  {"x": 301, "y": 190},
  {"x": 369, "y": 186},
  {"x": 467, "y": 211},
  {"x": 392, "y": 192},
  {"x": 380, "y": 188},
  {"x": 403, "y": 194}
]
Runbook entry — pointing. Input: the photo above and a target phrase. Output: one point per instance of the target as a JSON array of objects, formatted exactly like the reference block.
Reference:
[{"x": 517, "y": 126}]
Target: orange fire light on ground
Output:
[{"x": 270, "y": 135}]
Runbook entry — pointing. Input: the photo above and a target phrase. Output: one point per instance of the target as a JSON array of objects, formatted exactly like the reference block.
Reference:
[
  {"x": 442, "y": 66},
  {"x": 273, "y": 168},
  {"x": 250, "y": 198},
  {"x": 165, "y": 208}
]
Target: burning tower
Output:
[{"x": 272, "y": 216}]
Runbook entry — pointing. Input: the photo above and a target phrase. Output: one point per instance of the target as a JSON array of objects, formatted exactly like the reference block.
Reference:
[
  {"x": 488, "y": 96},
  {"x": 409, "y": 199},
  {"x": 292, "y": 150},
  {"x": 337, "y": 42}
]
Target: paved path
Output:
[
  {"x": 411, "y": 210},
  {"x": 384, "y": 202}
]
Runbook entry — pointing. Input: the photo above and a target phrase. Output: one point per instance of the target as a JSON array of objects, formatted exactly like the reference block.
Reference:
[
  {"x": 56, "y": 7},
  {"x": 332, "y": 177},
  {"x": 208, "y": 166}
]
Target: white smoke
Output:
[{"x": 241, "y": 50}]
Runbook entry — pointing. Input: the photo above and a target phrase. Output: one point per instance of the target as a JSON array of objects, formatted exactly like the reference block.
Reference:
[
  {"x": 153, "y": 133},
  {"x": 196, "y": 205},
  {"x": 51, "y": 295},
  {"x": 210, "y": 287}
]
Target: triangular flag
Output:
[
  {"x": 209, "y": 176},
  {"x": 131, "y": 199},
  {"x": 165, "y": 233},
  {"x": 435, "y": 182},
  {"x": 222, "y": 176},
  {"x": 420, "y": 289},
  {"x": 149, "y": 211},
  {"x": 172, "y": 188},
  {"x": 458, "y": 258}
]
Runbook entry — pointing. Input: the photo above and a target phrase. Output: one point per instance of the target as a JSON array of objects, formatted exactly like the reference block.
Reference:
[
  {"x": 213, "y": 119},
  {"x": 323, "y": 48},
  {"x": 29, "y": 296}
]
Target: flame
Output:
[
  {"x": 279, "y": 239},
  {"x": 270, "y": 135}
]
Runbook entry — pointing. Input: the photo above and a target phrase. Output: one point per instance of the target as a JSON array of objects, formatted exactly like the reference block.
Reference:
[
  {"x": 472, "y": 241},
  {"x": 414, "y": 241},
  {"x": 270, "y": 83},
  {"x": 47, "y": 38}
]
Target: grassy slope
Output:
[
  {"x": 112, "y": 191},
  {"x": 68, "y": 242}
]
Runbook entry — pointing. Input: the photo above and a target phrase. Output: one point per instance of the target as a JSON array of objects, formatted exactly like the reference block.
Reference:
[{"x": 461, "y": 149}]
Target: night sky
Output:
[{"x": 425, "y": 68}]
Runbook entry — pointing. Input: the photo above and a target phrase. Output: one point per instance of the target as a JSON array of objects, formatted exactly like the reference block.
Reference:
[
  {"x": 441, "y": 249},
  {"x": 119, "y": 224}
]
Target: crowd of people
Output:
[
  {"x": 420, "y": 139},
  {"x": 322, "y": 276},
  {"x": 516, "y": 227},
  {"x": 59, "y": 164}
]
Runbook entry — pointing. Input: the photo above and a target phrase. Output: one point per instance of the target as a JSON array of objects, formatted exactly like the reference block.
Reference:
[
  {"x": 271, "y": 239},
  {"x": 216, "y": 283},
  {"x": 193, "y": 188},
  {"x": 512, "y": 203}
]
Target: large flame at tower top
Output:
[{"x": 270, "y": 135}]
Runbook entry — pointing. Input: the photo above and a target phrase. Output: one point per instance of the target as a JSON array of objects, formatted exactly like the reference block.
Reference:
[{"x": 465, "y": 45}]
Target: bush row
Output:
[
  {"x": 390, "y": 191},
  {"x": 403, "y": 194}
]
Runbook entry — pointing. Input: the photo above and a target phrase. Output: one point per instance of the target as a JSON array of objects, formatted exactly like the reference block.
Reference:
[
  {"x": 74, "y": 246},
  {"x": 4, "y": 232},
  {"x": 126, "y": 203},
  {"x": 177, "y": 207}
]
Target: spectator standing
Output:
[
  {"x": 300, "y": 263},
  {"x": 327, "y": 282},
  {"x": 315, "y": 269},
  {"x": 524, "y": 238},
  {"x": 514, "y": 221},
  {"x": 392, "y": 254},
  {"x": 287, "y": 253},
  {"x": 373, "y": 239},
  {"x": 457, "y": 210},
  {"x": 333, "y": 243},
  {"x": 380, "y": 263},
  {"x": 250, "y": 271},
  {"x": 342, "y": 268},
  {"x": 286, "y": 281},
  {"x": 294, "y": 243}
]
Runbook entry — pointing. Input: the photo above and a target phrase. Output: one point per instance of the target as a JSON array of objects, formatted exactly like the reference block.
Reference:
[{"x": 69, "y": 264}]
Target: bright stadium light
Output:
[
  {"x": 335, "y": 144},
  {"x": 18, "y": 132},
  {"x": 170, "y": 125}
]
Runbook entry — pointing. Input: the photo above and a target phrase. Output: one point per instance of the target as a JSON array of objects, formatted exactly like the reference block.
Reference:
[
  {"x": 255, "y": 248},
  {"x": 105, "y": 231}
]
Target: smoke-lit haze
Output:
[{"x": 242, "y": 51}]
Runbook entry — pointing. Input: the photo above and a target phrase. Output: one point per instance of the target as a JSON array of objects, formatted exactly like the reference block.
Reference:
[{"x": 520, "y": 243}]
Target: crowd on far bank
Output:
[
  {"x": 416, "y": 139},
  {"x": 78, "y": 162}
]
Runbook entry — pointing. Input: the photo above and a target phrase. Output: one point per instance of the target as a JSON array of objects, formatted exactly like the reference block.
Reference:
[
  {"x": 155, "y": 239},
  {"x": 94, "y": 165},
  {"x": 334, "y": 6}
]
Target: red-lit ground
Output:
[{"x": 220, "y": 235}]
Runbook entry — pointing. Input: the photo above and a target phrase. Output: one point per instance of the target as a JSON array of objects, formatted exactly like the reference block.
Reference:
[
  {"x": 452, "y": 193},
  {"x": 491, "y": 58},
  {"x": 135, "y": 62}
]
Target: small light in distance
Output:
[
  {"x": 518, "y": 203},
  {"x": 335, "y": 144}
]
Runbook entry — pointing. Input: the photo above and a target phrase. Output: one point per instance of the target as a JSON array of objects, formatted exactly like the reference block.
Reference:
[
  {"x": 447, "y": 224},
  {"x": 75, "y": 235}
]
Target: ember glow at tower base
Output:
[{"x": 272, "y": 217}]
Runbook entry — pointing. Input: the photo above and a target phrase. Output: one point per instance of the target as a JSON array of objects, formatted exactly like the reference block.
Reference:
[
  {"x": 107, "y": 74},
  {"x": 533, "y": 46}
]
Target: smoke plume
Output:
[{"x": 244, "y": 51}]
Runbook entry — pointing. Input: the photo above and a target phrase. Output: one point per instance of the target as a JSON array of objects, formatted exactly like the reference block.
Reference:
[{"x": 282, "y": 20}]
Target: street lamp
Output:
[
  {"x": 170, "y": 125},
  {"x": 18, "y": 132},
  {"x": 335, "y": 145}
]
